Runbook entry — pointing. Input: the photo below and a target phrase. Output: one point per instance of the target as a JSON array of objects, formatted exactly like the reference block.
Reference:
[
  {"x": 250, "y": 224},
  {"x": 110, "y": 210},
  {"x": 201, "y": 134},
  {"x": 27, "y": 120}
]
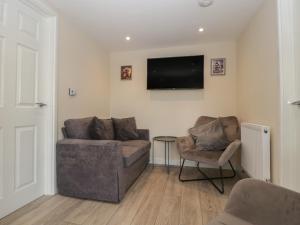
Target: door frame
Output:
[
  {"x": 51, "y": 121},
  {"x": 287, "y": 62}
]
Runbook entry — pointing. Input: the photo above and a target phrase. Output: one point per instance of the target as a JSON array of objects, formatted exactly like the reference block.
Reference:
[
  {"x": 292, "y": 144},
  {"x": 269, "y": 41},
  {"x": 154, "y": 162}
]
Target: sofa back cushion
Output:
[
  {"x": 102, "y": 129},
  {"x": 125, "y": 129},
  {"x": 78, "y": 128}
]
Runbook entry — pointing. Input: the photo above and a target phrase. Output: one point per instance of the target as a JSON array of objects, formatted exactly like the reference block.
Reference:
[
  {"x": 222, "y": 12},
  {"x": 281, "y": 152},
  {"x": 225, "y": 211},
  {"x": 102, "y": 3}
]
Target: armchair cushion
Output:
[
  {"x": 125, "y": 129},
  {"x": 207, "y": 157},
  {"x": 210, "y": 136},
  {"x": 102, "y": 129},
  {"x": 189, "y": 151}
]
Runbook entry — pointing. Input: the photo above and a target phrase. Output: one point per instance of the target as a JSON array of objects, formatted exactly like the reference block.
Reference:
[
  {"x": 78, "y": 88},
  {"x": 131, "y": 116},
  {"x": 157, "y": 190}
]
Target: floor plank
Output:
[{"x": 156, "y": 198}]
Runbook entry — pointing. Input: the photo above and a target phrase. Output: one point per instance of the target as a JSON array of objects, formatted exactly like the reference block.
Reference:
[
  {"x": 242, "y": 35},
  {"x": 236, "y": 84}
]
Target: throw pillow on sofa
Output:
[
  {"x": 125, "y": 129},
  {"x": 102, "y": 129},
  {"x": 210, "y": 136},
  {"x": 78, "y": 128}
]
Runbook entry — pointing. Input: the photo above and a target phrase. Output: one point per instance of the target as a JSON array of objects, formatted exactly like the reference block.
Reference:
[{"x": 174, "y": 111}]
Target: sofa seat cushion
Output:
[
  {"x": 227, "y": 219},
  {"x": 207, "y": 157},
  {"x": 134, "y": 150}
]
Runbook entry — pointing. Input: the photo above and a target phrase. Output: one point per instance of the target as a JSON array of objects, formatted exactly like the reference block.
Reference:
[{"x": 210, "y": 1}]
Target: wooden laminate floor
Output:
[{"x": 157, "y": 198}]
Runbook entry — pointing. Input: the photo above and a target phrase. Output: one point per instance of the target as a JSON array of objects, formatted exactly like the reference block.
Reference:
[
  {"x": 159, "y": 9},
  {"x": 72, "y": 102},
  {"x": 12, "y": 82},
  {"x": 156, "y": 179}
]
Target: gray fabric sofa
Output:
[
  {"x": 254, "y": 202},
  {"x": 99, "y": 169}
]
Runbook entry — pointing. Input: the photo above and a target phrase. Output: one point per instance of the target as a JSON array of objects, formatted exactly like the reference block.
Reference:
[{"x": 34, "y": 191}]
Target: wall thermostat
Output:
[{"x": 72, "y": 92}]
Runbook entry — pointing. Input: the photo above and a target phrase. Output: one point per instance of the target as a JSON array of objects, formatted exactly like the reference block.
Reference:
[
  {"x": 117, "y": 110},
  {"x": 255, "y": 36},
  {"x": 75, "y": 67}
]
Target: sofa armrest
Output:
[
  {"x": 229, "y": 152},
  {"x": 144, "y": 134},
  {"x": 184, "y": 143},
  {"x": 258, "y": 202},
  {"x": 89, "y": 168}
]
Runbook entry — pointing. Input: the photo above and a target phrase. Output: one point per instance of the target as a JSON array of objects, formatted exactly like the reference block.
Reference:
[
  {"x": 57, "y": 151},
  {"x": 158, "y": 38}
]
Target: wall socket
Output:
[{"x": 72, "y": 92}]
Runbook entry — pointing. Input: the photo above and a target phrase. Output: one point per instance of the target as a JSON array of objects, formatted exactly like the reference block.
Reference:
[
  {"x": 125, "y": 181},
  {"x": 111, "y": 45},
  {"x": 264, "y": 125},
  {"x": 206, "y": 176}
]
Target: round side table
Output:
[{"x": 167, "y": 141}]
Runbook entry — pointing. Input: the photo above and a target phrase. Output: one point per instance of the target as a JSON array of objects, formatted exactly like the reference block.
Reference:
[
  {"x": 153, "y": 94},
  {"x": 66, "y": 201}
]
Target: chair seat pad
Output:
[
  {"x": 207, "y": 157},
  {"x": 227, "y": 219},
  {"x": 134, "y": 150}
]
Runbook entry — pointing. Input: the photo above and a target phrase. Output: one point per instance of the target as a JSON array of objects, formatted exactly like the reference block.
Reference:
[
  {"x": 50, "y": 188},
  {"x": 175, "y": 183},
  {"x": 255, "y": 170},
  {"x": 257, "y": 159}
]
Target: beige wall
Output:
[
  {"x": 258, "y": 76},
  {"x": 82, "y": 65},
  {"x": 172, "y": 112}
]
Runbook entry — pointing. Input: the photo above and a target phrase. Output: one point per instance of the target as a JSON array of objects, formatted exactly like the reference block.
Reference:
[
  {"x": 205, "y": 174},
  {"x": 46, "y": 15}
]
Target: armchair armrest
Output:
[
  {"x": 258, "y": 202},
  {"x": 89, "y": 169},
  {"x": 229, "y": 152},
  {"x": 144, "y": 134},
  {"x": 184, "y": 143}
]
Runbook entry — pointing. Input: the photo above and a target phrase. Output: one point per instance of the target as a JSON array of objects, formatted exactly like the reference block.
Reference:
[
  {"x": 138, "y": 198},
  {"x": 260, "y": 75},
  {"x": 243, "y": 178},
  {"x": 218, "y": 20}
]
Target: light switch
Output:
[{"x": 72, "y": 92}]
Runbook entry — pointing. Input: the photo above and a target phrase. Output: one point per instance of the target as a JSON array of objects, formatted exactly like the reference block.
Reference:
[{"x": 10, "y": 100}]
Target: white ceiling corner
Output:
[{"x": 158, "y": 23}]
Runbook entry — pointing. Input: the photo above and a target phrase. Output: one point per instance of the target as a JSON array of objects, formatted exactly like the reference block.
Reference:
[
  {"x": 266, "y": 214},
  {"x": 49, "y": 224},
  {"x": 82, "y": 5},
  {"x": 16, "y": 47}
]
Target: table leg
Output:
[
  {"x": 153, "y": 155},
  {"x": 165, "y": 153},
  {"x": 168, "y": 157}
]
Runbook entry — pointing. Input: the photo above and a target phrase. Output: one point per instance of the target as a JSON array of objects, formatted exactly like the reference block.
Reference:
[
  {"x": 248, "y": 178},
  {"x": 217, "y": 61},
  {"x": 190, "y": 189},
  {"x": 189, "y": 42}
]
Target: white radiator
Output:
[{"x": 256, "y": 150}]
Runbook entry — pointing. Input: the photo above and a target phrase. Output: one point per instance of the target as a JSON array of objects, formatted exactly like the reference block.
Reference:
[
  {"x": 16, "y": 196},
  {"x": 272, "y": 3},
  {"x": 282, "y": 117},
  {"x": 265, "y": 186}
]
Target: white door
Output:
[
  {"x": 22, "y": 120},
  {"x": 289, "y": 21}
]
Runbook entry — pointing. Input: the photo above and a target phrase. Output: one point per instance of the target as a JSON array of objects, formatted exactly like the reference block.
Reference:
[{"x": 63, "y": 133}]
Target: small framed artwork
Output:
[
  {"x": 218, "y": 66},
  {"x": 126, "y": 72}
]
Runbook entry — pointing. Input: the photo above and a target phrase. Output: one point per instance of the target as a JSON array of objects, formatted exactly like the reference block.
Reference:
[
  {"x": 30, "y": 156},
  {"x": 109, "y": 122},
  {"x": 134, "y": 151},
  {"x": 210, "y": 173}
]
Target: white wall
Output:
[
  {"x": 258, "y": 76},
  {"x": 172, "y": 112},
  {"x": 82, "y": 65}
]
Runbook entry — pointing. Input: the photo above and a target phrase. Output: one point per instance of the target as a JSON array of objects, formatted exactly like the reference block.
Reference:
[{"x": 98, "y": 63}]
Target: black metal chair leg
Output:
[{"x": 210, "y": 179}]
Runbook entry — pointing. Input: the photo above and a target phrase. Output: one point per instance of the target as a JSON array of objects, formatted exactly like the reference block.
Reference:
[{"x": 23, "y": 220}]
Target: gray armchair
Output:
[
  {"x": 254, "y": 202},
  {"x": 188, "y": 151}
]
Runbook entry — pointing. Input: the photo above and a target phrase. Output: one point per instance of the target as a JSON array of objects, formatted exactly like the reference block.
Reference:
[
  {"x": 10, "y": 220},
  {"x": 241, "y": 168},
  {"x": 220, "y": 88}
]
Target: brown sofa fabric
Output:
[
  {"x": 188, "y": 150},
  {"x": 133, "y": 150},
  {"x": 210, "y": 136},
  {"x": 125, "y": 129},
  {"x": 89, "y": 169},
  {"x": 230, "y": 125},
  {"x": 99, "y": 169},
  {"x": 261, "y": 203},
  {"x": 254, "y": 202},
  {"x": 102, "y": 129},
  {"x": 78, "y": 128}
]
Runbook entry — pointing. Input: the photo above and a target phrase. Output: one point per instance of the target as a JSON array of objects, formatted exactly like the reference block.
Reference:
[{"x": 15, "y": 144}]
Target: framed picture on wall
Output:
[
  {"x": 218, "y": 66},
  {"x": 126, "y": 72}
]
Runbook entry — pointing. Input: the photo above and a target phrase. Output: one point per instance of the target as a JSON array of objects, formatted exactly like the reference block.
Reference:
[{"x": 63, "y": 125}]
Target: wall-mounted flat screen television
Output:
[{"x": 185, "y": 72}]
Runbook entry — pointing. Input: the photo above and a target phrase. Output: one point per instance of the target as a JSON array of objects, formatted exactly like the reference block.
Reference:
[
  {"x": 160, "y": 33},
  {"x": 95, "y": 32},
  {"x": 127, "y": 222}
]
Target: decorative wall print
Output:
[
  {"x": 126, "y": 72},
  {"x": 218, "y": 66}
]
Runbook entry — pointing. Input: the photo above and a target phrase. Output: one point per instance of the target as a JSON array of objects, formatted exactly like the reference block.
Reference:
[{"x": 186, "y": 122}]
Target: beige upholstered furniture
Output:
[
  {"x": 254, "y": 202},
  {"x": 189, "y": 151}
]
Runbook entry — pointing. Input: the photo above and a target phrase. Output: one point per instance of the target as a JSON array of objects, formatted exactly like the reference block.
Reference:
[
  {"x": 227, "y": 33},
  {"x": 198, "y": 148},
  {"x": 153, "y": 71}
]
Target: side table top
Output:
[{"x": 165, "y": 138}]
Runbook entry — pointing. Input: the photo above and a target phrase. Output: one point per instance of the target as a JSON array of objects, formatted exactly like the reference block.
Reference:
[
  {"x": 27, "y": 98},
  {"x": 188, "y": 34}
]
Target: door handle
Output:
[
  {"x": 40, "y": 104},
  {"x": 294, "y": 102}
]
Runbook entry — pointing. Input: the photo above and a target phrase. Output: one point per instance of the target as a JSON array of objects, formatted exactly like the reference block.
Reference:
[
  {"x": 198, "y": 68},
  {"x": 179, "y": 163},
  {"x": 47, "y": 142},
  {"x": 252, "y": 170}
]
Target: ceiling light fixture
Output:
[
  {"x": 205, "y": 3},
  {"x": 201, "y": 29},
  {"x": 128, "y": 38}
]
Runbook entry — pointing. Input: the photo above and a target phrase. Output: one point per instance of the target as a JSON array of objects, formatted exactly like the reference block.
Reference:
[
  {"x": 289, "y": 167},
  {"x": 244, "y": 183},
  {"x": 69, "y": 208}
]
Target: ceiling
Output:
[{"x": 158, "y": 23}]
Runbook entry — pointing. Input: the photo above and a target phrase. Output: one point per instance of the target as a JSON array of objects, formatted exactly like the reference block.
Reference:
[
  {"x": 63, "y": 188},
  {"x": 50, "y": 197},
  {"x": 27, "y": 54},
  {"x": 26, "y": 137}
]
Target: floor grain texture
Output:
[{"x": 157, "y": 198}]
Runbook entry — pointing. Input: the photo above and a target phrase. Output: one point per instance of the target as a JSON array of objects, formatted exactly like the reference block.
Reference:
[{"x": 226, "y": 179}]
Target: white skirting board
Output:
[{"x": 255, "y": 150}]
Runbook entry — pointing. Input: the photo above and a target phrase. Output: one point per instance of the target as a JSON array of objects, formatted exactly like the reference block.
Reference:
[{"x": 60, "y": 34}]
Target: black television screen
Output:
[{"x": 176, "y": 73}]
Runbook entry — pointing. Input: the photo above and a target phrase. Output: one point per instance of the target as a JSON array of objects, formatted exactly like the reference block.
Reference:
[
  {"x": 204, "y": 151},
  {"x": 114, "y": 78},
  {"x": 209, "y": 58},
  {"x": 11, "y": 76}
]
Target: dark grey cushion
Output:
[
  {"x": 102, "y": 129},
  {"x": 78, "y": 128},
  {"x": 125, "y": 129},
  {"x": 210, "y": 136}
]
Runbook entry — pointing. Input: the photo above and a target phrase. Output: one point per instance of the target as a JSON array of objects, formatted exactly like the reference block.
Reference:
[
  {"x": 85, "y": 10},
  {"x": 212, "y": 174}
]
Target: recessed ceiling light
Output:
[
  {"x": 205, "y": 3},
  {"x": 201, "y": 29},
  {"x": 128, "y": 38}
]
